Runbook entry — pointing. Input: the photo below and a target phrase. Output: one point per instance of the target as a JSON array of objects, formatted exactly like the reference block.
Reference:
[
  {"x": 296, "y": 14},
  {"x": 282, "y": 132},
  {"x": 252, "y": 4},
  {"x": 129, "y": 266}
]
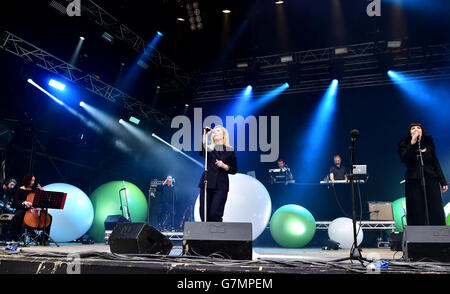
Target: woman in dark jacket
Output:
[
  {"x": 408, "y": 149},
  {"x": 221, "y": 162}
]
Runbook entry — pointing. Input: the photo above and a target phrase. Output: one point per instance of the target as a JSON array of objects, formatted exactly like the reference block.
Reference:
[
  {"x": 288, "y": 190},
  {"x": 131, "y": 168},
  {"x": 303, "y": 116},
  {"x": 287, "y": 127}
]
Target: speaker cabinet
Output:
[
  {"x": 218, "y": 239},
  {"x": 426, "y": 243},
  {"x": 138, "y": 238}
]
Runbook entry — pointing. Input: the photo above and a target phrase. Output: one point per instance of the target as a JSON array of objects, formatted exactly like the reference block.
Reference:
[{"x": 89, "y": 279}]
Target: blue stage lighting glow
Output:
[
  {"x": 82, "y": 103},
  {"x": 159, "y": 33},
  {"x": 58, "y": 85},
  {"x": 43, "y": 90},
  {"x": 319, "y": 131}
]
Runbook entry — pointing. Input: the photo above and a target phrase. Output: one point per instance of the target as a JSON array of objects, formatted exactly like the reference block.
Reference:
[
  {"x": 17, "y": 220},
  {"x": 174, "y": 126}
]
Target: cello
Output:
[{"x": 35, "y": 218}]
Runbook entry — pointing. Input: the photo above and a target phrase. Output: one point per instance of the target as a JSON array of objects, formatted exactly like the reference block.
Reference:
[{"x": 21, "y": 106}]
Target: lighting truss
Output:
[
  {"x": 23, "y": 49},
  {"x": 363, "y": 65},
  {"x": 137, "y": 43}
]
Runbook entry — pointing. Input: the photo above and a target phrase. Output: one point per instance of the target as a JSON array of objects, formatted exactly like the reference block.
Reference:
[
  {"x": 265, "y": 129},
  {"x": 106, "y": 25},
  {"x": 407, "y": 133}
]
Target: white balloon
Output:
[
  {"x": 447, "y": 209},
  {"x": 75, "y": 219},
  {"x": 341, "y": 230},
  {"x": 248, "y": 201}
]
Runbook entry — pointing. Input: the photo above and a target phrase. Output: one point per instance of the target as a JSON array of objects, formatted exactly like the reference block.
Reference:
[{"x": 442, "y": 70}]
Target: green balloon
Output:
[
  {"x": 106, "y": 201},
  {"x": 447, "y": 221},
  {"x": 398, "y": 209},
  {"x": 292, "y": 226}
]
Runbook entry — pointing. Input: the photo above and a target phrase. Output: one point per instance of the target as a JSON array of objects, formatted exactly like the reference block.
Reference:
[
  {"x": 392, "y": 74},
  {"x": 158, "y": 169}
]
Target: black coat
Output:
[
  {"x": 409, "y": 155},
  {"x": 217, "y": 176}
]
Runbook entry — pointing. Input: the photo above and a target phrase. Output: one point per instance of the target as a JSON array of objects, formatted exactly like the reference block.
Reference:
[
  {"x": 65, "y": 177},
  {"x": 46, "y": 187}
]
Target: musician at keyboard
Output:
[
  {"x": 338, "y": 171},
  {"x": 282, "y": 174}
]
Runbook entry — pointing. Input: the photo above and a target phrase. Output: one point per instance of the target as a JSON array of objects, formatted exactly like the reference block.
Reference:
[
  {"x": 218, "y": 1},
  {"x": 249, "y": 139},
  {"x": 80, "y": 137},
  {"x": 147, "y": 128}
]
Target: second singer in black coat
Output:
[
  {"x": 434, "y": 178},
  {"x": 221, "y": 162}
]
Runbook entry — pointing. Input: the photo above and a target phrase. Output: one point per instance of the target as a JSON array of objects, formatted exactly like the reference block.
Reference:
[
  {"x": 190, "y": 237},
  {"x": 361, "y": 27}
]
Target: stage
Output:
[{"x": 97, "y": 259}]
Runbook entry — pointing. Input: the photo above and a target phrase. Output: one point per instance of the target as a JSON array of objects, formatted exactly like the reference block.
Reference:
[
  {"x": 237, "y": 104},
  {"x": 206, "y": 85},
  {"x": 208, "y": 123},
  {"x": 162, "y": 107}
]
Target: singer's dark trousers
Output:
[
  {"x": 215, "y": 205},
  {"x": 415, "y": 202}
]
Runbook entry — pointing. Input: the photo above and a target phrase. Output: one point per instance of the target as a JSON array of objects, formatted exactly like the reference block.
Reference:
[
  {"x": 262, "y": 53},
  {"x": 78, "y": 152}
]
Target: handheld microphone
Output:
[{"x": 207, "y": 129}]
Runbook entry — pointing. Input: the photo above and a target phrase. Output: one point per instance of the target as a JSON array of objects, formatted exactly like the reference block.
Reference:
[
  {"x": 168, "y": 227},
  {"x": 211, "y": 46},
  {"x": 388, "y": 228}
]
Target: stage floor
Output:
[{"x": 97, "y": 259}]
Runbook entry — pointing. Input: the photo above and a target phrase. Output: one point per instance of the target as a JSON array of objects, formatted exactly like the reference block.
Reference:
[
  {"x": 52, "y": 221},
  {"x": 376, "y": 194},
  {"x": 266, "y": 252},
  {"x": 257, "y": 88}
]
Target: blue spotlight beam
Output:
[
  {"x": 318, "y": 131},
  {"x": 179, "y": 151},
  {"x": 58, "y": 85},
  {"x": 266, "y": 98},
  {"x": 88, "y": 122}
]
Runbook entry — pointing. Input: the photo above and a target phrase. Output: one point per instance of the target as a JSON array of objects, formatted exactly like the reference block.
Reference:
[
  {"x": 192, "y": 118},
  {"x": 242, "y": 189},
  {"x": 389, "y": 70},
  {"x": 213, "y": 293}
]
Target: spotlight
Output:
[
  {"x": 226, "y": 11},
  {"x": 57, "y": 85},
  {"x": 340, "y": 51},
  {"x": 180, "y": 19},
  {"x": 279, "y": 2},
  {"x": 186, "y": 105},
  {"x": 285, "y": 59},
  {"x": 107, "y": 37},
  {"x": 242, "y": 65},
  {"x": 82, "y": 104},
  {"x": 159, "y": 33},
  {"x": 394, "y": 44},
  {"x": 134, "y": 120},
  {"x": 120, "y": 121},
  {"x": 82, "y": 38}
]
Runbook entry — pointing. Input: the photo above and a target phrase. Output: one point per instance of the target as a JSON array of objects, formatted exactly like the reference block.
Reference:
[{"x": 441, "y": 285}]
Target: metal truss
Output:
[
  {"x": 365, "y": 225},
  {"x": 19, "y": 47},
  {"x": 137, "y": 43},
  {"x": 362, "y": 65}
]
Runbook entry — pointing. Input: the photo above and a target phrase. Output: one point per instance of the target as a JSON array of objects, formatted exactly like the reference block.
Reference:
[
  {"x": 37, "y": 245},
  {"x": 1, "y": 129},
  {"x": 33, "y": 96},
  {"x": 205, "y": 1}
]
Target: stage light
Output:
[
  {"x": 285, "y": 59},
  {"x": 340, "y": 51},
  {"x": 159, "y": 33},
  {"x": 134, "y": 120},
  {"x": 82, "y": 38},
  {"x": 394, "y": 44},
  {"x": 82, "y": 104},
  {"x": 57, "y": 85},
  {"x": 279, "y": 2},
  {"x": 108, "y": 38},
  {"x": 48, "y": 94},
  {"x": 242, "y": 65},
  {"x": 180, "y": 19},
  {"x": 186, "y": 105},
  {"x": 120, "y": 121},
  {"x": 226, "y": 11}
]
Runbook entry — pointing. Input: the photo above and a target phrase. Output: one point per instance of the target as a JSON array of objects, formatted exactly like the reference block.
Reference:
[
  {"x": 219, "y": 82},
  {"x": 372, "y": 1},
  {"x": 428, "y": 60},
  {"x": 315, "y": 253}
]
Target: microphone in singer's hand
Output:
[{"x": 207, "y": 129}]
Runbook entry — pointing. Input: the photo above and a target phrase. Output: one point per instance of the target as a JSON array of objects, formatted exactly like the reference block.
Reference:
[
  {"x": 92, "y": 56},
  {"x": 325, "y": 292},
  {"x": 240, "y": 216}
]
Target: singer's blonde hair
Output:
[{"x": 226, "y": 137}]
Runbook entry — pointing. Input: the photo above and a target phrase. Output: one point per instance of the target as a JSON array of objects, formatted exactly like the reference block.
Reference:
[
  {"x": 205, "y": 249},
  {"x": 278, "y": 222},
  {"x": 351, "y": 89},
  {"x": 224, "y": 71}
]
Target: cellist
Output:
[{"x": 21, "y": 205}]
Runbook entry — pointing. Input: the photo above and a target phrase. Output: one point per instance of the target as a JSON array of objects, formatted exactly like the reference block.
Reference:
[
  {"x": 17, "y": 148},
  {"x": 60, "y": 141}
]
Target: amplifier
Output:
[{"x": 426, "y": 243}]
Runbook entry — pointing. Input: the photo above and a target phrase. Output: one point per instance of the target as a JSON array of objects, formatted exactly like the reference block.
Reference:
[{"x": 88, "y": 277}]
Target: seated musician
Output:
[
  {"x": 21, "y": 205},
  {"x": 338, "y": 172},
  {"x": 7, "y": 190},
  {"x": 284, "y": 169}
]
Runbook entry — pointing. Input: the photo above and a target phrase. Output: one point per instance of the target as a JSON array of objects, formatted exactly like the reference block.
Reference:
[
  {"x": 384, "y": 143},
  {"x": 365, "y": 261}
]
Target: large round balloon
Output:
[
  {"x": 75, "y": 219},
  {"x": 447, "y": 221},
  {"x": 292, "y": 226},
  {"x": 341, "y": 230},
  {"x": 399, "y": 209},
  {"x": 248, "y": 201},
  {"x": 106, "y": 201}
]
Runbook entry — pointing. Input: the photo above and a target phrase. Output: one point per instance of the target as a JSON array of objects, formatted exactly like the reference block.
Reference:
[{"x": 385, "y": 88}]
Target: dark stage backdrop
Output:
[{"x": 381, "y": 114}]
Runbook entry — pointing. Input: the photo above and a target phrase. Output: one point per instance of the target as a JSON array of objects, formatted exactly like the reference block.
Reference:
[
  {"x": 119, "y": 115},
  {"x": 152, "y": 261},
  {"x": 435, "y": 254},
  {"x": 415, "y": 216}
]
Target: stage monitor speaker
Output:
[
  {"x": 218, "y": 239},
  {"x": 138, "y": 238},
  {"x": 426, "y": 243}
]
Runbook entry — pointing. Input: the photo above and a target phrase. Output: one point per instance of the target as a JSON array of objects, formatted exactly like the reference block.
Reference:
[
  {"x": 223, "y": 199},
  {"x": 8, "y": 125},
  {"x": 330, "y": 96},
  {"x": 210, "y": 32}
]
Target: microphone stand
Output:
[
  {"x": 422, "y": 175},
  {"x": 205, "y": 178},
  {"x": 355, "y": 251}
]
